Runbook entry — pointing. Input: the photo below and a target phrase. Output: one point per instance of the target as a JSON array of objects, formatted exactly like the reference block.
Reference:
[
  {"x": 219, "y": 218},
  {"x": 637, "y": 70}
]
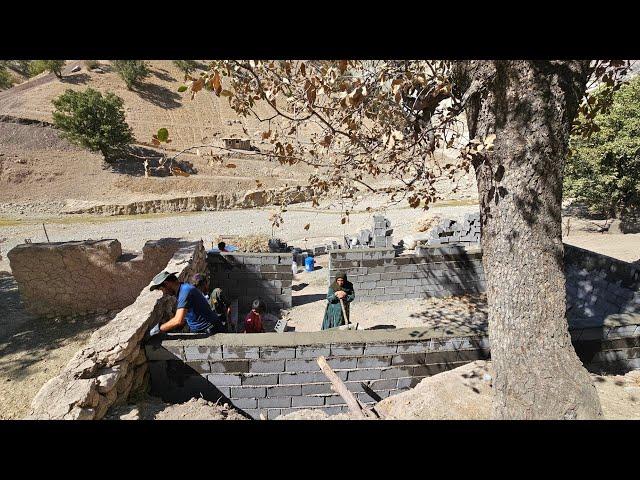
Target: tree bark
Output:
[{"x": 530, "y": 107}]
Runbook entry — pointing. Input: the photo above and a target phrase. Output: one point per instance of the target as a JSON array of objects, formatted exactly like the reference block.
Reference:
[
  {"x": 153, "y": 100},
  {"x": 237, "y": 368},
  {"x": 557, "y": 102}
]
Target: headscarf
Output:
[
  {"x": 217, "y": 301},
  {"x": 347, "y": 287}
]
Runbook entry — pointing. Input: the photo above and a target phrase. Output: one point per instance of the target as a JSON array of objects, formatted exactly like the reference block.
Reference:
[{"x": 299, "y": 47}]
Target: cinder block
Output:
[
  {"x": 408, "y": 382},
  {"x": 278, "y": 402},
  {"x": 413, "y": 347},
  {"x": 243, "y": 403},
  {"x": 220, "y": 379},
  {"x": 266, "y": 366},
  {"x": 158, "y": 352},
  {"x": 229, "y": 366},
  {"x": 341, "y": 363},
  {"x": 364, "y": 374},
  {"x": 386, "y": 384},
  {"x": 396, "y": 372},
  {"x": 193, "y": 353},
  {"x": 248, "y": 392},
  {"x": 273, "y": 413},
  {"x": 300, "y": 378},
  {"x": 284, "y": 391},
  {"x": 240, "y": 352},
  {"x": 380, "y": 349},
  {"x": 334, "y": 400},
  {"x": 408, "y": 359},
  {"x": 316, "y": 388},
  {"x": 260, "y": 379},
  {"x": 374, "y": 362},
  {"x": 307, "y": 401},
  {"x": 312, "y": 352},
  {"x": 301, "y": 365},
  {"x": 347, "y": 349}
]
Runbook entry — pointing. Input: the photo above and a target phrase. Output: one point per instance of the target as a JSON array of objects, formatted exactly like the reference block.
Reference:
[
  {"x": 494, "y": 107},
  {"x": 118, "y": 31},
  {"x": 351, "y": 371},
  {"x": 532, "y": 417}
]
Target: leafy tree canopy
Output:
[{"x": 131, "y": 71}]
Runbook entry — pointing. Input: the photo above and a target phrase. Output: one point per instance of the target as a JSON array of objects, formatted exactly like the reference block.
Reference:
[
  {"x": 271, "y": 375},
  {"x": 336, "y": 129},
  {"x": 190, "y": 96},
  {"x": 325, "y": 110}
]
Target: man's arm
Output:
[{"x": 178, "y": 320}]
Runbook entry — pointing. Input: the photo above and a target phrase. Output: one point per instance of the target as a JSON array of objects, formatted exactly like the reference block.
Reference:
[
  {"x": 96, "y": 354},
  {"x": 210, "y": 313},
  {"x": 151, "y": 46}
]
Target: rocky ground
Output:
[{"x": 152, "y": 408}]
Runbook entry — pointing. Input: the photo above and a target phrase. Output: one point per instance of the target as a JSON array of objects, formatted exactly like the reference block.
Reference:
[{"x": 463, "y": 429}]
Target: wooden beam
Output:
[{"x": 341, "y": 389}]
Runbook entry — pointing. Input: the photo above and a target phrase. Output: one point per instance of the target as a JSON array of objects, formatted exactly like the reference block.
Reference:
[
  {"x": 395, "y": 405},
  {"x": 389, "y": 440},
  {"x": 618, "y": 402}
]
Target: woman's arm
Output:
[
  {"x": 331, "y": 296},
  {"x": 349, "y": 298}
]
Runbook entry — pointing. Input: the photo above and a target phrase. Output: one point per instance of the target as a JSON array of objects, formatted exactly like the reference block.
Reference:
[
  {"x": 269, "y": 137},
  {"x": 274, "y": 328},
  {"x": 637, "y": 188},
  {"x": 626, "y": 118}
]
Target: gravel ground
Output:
[{"x": 133, "y": 231}]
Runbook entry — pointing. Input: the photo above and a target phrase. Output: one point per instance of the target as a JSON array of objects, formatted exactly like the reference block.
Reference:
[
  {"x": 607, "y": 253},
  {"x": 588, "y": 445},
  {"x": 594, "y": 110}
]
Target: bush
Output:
[
  {"x": 603, "y": 171},
  {"x": 38, "y": 66},
  {"x": 93, "y": 121},
  {"x": 6, "y": 80},
  {"x": 131, "y": 71},
  {"x": 186, "y": 66},
  {"x": 91, "y": 64}
]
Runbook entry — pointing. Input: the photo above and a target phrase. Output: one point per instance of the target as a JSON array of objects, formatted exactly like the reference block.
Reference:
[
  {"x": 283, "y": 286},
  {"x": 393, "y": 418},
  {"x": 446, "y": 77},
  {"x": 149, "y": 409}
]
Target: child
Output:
[{"x": 253, "y": 320}]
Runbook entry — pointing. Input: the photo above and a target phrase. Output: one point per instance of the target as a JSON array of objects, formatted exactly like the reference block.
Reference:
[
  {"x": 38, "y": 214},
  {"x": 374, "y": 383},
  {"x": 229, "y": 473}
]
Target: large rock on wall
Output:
[
  {"x": 78, "y": 277},
  {"x": 112, "y": 365}
]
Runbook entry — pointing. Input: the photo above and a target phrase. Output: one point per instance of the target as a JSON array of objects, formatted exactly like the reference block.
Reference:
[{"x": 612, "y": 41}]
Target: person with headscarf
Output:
[
  {"x": 220, "y": 305},
  {"x": 340, "y": 289}
]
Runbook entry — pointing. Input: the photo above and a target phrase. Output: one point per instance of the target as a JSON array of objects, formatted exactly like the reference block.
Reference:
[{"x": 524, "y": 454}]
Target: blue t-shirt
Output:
[
  {"x": 199, "y": 314},
  {"x": 308, "y": 264}
]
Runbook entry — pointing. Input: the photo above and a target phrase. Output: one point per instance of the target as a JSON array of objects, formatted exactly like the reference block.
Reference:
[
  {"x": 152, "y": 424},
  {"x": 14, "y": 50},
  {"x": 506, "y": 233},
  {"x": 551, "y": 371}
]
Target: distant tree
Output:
[
  {"x": 94, "y": 121},
  {"x": 186, "y": 66},
  {"x": 131, "y": 71},
  {"x": 603, "y": 170},
  {"x": 38, "y": 66},
  {"x": 6, "y": 80}
]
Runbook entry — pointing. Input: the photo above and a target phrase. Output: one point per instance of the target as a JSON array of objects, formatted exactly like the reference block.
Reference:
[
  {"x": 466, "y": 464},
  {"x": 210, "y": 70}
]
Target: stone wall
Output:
[
  {"x": 85, "y": 276},
  {"x": 246, "y": 276},
  {"x": 378, "y": 274},
  {"x": 274, "y": 374},
  {"x": 112, "y": 365}
]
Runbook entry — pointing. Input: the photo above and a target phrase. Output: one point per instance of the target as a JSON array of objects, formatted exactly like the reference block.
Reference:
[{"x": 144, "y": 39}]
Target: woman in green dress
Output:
[{"x": 339, "y": 289}]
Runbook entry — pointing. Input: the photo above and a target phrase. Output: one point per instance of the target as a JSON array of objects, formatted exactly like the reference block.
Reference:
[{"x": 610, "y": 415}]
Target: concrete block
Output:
[
  {"x": 193, "y": 353},
  {"x": 301, "y": 365},
  {"x": 273, "y": 413},
  {"x": 316, "y": 388},
  {"x": 408, "y": 382},
  {"x": 229, "y": 366},
  {"x": 347, "y": 349},
  {"x": 396, "y": 372},
  {"x": 266, "y": 366},
  {"x": 300, "y": 378},
  {"x": 278, "y": 402},
  {"x": 364, "y": 374},
  {"x": 158, "y": 352},
  {"x": 260, "y": 379},
  {"x": 312, "y": 352},
  {"x": 374, "y": 362},
  {"x": 243, "y": 403},
  {"x": 408, "y": 359},
  {"x": 342, "y": 363},
  {"x": 380, "y": 349},
  {"x": 413, "y": 347},
  {"x": 284, "y": 391},
  {"x": 248, "y": 392},
  {"x": 307, "y": 401},
  {"x": 334, "y": 400},
  {"x": 240, "y": 352},
  {"x": 221, "y": 379}
]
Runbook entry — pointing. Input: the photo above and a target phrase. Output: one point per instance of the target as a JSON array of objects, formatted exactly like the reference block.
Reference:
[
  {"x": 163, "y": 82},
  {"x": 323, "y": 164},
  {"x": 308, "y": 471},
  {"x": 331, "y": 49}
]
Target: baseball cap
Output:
[{"x": 159, "y": 278}]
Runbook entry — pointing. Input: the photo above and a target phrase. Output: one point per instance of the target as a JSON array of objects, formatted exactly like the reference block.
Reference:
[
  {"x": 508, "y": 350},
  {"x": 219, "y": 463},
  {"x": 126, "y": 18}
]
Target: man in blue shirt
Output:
[{"x": 192, "y": 308}]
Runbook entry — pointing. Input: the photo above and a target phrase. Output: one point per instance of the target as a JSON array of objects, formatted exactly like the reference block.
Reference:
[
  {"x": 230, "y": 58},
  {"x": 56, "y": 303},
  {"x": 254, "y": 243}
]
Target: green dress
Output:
[{"x": 333, "y": 313}]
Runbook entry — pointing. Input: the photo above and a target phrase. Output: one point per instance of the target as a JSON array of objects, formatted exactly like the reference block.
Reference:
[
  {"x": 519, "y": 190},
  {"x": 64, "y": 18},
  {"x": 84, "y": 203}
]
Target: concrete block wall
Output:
[
  {"x": 380, "y": 275},
  {"x": 599, "y": 286},
  {"x": 273, "y": 374},
  {"x": 247, "y": 276},
  {"x": 67, "y": 278}
]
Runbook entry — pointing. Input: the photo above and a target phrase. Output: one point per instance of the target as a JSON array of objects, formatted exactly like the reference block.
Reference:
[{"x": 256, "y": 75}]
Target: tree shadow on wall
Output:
[{"x": 468, "y": 315}]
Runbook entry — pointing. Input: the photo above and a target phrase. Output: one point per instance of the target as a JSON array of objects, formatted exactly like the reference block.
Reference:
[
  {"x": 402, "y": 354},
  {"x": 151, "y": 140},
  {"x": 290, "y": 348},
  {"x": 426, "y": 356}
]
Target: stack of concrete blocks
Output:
[
  {"x": 378, "y": 237},
  {"x": 450, "y": 231},
  {"x": 247, "y": 276},
  {"x": 379, "y": 275},
  {"x": 319, "y": 250}
]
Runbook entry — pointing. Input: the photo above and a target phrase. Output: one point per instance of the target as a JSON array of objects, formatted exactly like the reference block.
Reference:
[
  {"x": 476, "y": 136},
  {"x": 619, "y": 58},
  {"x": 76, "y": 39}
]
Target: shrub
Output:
[
  {"x": 603, "y": 171},
  {"x": 38, "y": 66},
  {"x": 186, "y": 66},
  {"x": 91, "y": 64},
  {"x": 6, "y": 80},
  {"x": 131, "y": 71},
  {"x": 94, "y": 121}
]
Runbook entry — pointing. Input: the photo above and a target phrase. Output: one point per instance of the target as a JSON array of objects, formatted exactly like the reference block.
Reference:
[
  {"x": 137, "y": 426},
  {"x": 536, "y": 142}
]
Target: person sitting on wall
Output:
[
  {"x": 340, "y": 290},
  {"x": 253, "y": 320},
  {"x": 222, "y": 247},
  {"x": 192, "y": 308}
]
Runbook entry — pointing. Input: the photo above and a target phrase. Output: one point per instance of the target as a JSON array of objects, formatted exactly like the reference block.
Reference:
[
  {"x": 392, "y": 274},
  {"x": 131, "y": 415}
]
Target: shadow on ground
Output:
[
  {"x": 160, "y": 96},
  {"x": 469, "y": 314}
]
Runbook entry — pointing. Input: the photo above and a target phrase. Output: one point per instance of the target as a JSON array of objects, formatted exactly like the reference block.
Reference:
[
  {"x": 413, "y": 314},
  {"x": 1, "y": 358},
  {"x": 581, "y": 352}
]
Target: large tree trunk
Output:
[{"x": 530, "y": 107}]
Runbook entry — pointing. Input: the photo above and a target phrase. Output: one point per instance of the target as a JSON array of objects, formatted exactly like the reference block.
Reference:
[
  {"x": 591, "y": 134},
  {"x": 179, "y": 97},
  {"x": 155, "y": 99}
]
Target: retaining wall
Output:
[
  {"x": 112, "y": 365},
  {"x": 274, "y": 374},
  {"x": 379, "y": 275},
  {"x": 246, "y": 276},
  {"x": 80, "y": 277}
]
